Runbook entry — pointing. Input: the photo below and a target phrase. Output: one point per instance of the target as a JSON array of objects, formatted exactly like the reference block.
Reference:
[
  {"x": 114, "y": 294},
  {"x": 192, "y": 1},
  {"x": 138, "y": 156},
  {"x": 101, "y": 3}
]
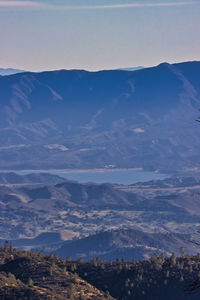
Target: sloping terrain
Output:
[
  {"x": 129, "y": 244},
  {"x": 44, "y": 216},
  {"x": 79, "y": 119},
  {"x": 9, "y": 71},
  {"x": 28, "y": 210},
  {"x": 34, "y": 178},
  {"x": 28, "y": 275},
  {"x": 158, "y": 278}
]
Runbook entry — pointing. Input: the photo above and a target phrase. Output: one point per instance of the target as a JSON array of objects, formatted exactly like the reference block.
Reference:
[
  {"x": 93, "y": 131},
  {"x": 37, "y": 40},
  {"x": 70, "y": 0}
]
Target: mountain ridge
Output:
[
  {"x": 117, "y": 112},
  {"x": 127, "y": 243}
]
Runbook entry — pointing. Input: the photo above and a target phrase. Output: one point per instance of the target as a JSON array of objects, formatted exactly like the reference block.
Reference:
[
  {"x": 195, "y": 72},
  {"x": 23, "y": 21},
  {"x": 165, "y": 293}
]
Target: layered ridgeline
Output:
[
  {"x": 110, "y": 245},
  {"x": 79, "y": 119},
  {"x": 41, "y": 212}
]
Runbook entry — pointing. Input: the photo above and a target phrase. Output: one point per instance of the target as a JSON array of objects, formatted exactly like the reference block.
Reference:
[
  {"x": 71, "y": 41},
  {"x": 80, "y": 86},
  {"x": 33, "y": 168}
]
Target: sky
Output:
[{"x": 97, "y": 34}]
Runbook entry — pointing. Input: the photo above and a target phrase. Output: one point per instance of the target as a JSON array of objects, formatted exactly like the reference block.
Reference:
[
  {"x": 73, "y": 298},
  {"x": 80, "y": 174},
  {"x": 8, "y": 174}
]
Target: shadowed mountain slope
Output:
[
  {"x": 129, "y": 244},
  {"x": 80, "y": 119}
]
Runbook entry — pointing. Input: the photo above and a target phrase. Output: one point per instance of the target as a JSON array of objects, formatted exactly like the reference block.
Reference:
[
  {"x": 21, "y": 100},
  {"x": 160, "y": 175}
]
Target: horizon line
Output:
[{"x": 98, "y": 69}]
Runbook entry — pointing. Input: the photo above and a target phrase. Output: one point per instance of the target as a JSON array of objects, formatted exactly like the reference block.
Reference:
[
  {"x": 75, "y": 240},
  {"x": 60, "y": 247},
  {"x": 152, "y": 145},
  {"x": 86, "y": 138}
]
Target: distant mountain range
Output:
[
  {"x": 9, "y": 71},
  {"x": 79, "y": 119}
]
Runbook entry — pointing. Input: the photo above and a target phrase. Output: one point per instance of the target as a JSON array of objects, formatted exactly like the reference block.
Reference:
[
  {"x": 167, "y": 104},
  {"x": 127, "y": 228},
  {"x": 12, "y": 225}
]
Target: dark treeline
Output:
[{"x": 30, "y": 275}]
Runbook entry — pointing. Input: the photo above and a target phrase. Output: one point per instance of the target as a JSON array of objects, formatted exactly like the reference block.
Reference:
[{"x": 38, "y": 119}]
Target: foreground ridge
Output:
[{"x": 28, "y": 275}]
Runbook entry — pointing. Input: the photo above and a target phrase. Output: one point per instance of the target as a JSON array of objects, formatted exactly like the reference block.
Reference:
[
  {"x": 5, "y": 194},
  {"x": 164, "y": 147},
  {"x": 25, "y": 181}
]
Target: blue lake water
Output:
[
  {"x": 119, "y": 177},
  {"x": 112, "y": 176},
  {"x": 124, "y": 176}
]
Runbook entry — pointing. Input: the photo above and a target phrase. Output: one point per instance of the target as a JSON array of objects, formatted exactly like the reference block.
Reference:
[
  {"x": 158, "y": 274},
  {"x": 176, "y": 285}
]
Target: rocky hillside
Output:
[{"x": 25, "y": 275}]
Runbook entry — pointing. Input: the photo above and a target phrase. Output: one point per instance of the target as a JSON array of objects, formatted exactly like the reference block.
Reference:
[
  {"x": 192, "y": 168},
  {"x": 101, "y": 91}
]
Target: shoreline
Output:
[{"x": 96, "y": 170}]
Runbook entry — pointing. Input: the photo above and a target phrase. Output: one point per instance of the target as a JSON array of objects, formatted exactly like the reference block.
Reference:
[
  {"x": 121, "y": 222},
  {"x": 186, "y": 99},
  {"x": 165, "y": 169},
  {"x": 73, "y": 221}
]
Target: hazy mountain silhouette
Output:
[{"x": 9, "y": 71}]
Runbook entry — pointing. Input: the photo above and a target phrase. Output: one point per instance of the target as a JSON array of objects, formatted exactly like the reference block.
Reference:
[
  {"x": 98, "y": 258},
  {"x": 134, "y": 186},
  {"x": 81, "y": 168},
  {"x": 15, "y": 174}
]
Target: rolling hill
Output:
[
  {"x": 74, "y": 218},
  {"x": 34, "y": 178},
  {"x": 129, "y": 244}
]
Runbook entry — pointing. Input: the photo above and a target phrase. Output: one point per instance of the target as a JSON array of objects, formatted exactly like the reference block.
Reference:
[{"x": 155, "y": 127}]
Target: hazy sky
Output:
[{"x": 97, "y": 34}]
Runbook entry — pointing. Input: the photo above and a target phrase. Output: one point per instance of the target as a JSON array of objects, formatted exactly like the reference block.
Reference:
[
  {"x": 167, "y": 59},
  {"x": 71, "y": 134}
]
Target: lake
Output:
[{"x": 123, "y": 176}]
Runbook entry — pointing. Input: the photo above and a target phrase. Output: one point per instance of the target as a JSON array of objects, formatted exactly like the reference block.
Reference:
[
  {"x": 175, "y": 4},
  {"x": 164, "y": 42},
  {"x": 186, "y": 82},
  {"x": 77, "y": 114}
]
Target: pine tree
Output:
[{"x": 30, "y": 282}]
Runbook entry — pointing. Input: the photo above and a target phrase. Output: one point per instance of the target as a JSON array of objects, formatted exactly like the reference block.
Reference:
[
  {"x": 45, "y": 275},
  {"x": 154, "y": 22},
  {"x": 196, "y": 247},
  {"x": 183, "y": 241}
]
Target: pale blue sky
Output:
[{"x": 97, "y": 34}]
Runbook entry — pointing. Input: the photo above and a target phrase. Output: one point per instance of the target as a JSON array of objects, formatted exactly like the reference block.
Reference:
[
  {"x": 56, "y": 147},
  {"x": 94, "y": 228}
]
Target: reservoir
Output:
[{"x": 118, "y": 176}]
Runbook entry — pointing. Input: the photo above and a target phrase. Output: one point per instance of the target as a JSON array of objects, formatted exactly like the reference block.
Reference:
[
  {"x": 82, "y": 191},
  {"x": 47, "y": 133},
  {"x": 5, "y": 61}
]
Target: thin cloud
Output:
[
  {"x": 46, "y": 6},
  {"x": 14, "y": 4},
  {"x": 129, "y": 5}
]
